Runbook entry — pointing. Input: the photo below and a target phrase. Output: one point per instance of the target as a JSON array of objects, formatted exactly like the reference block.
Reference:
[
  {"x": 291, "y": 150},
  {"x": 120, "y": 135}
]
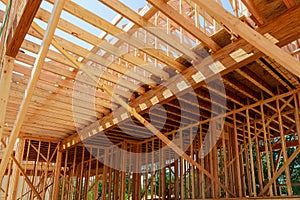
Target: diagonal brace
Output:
[{"x": 132, "y": 111}]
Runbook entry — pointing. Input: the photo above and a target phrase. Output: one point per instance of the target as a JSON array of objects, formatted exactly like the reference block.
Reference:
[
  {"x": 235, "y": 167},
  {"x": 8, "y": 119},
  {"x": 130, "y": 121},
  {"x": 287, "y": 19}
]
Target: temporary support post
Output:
[
  {"x": 65, "y": 174},
  {"x": 104, "y": 175},
  {"x": 46, "y": 171},
  {"x": 36, "y": 166},
  {"x": 72, "y": 182},
  {"x": 251, "y": 153},
  {"x": 57, "y": 175},
  {"x": 238, "y": 165},
  {"x": 26, "y": 161},
  {"x": 8, "y": 182},
  {"x": 258, "y": 159},
  {"x": 246, "y": 158},
  {"x": 81, "y": 174}
]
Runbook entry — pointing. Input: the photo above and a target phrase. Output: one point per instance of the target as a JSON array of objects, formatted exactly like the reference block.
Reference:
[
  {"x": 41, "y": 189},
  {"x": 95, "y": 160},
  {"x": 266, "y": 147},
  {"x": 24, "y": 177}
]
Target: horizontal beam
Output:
[
  {"x": 135, "y": 114},
  {"x": 284, "y": 32},
  {"x": 278, "y": 146}
]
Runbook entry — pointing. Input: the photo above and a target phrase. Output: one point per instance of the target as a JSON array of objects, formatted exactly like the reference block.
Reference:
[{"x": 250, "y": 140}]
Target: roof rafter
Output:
[
  {"x": 149, "y": 27},
  {"x": 139, "y": 20},
  {"x": 250, "y": 35},
  {"x": 106, "y": 26},
  {"x": 222, "y": 56},
  {"x": 100, "y": 43},
  {"x": 133, "y": 112}
]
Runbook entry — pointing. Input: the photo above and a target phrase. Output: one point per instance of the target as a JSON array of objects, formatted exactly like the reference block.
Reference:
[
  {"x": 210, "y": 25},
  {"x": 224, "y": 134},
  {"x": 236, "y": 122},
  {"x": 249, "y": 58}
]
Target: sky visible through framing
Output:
[{"x": 97, "y": 8}]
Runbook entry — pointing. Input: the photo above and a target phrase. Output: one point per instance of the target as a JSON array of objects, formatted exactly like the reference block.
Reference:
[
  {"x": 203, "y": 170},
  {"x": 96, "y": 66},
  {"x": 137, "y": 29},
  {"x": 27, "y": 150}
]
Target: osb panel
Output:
[{"x": 270, "y": 9}]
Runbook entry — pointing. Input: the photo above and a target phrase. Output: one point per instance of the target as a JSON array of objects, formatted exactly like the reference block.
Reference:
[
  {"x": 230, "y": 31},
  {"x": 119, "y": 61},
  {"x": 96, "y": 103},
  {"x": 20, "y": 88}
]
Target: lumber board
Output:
[
  {"x": 17, "y": 35},
  {"x": 285, "y": 33}
]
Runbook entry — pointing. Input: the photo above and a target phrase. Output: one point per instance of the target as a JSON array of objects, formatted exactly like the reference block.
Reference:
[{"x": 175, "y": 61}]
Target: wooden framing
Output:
[
  {"x": 289, "y": 3},
  {"x": 6, "y": 76},
  {"x": 30, "y": 88},
  {"x": 253, "y": 37},
  {"x": 147, "y": 125},
  {"x": 222, "y": 55},
  {"x": 171, "y": 13},
  {"x": 16, "y": 173},
  {"x": 132, "y": 111},
  {"x": 17, "y": 34},
  {"x": 57, "y": 175},
  {"x": 183, "y": 170},
  {"x": 250, "y": 5}
]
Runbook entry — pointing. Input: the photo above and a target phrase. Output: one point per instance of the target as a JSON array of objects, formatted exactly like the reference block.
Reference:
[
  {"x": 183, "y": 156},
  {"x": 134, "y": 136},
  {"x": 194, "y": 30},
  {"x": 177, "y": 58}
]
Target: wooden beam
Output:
[
  {"x": 23, "y": 172},
  {"x": 57, "y": 173},
  {"x": 106, "y": 26},
  {"x": 5, "y": 82},
  {"x": 16, "y": 172},
  {"x": 237, "y": 160},
  {"x": 256, "y": 80},
  {"x": 90, "y": 38},
  {"x": 16, "y": 36},
  {"x": 250, "y": 35},
  {"x": 289, "y": 3},
  {"x": 148, "y": 26},
  {"x": 170, "y": 12},
  {"x": 32, "y": 83},
  {"x": 295, "y": 52},
  {"x": 132, "y": 111},
  {"x": 253, "y": 186},
  {"x": 78, "y": 50},
  {"x": 278, "y": 173},
  {"x": 284, "y": 149},
  {"x": 252, "y": 8},
  {"x": 277, "y": 146},
  {"x": 276, "y": 28},
  {"x": 26, "y": 178}
]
